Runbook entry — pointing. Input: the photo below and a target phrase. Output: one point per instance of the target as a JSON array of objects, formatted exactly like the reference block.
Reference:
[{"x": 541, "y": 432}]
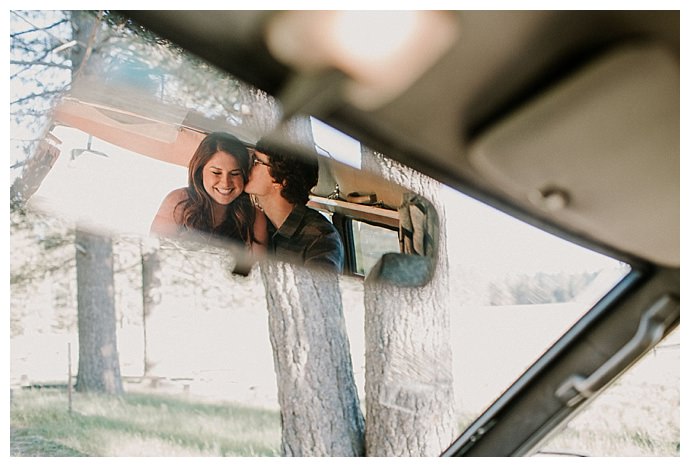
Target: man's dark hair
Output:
[{"x": 297, "y": 173}]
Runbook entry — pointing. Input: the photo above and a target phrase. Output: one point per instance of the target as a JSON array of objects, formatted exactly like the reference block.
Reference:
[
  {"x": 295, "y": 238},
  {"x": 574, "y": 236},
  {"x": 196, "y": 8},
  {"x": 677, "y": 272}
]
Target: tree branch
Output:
[
  {"x": 28, "y": 113},
  {"x": 38, "y": 63},
  {"x": 37, "y": 28},
  {"x": 37, "y": 95},
  {"x": 89, "y": 46}
]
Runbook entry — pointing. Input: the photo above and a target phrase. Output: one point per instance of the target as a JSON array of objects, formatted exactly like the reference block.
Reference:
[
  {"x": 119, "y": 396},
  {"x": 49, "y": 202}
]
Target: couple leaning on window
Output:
[{"x": 216, "y": 202}]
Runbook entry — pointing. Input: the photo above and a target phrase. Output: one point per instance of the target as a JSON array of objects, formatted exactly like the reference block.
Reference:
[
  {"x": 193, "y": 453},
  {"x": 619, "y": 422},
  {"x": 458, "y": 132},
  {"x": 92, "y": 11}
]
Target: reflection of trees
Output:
[
  {"x": 46, "y": 55},
  {"x": 40, "y": 71},
  {"x": 539, "y": 288},
  {"x": 40, "y": 67},
  {"x": 41, "y": 250}
]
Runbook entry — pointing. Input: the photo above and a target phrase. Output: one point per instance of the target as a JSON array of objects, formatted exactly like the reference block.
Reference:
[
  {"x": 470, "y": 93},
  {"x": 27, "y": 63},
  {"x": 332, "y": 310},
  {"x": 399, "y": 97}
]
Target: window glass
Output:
[
  {"x": 370, "y": 243},
  {"x": 514, "y": 284},
  {"x": 334, "y": 144},
  {"x": 205, "y": 341}
]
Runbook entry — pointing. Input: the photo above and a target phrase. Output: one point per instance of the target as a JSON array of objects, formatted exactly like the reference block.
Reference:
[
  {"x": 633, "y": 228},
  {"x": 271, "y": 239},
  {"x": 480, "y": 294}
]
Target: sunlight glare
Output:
[
  {"x": 336, "y": 145},
  {"x": 370, "y": 37}
]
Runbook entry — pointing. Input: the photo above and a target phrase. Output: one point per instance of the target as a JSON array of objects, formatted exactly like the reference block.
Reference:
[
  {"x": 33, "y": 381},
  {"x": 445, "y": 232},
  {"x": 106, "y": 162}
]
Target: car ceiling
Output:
[{"x": 502, "y": 84}]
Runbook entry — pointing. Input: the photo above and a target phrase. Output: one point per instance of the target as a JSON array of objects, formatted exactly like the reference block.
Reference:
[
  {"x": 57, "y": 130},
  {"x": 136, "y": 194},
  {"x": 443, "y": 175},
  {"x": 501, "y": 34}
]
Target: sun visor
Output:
[{"x": 599, "y": 154}]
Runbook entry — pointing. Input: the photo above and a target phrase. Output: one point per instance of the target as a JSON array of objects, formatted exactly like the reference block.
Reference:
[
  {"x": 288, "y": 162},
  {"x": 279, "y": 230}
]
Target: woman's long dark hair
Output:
[{"x": 197, "y": 208}]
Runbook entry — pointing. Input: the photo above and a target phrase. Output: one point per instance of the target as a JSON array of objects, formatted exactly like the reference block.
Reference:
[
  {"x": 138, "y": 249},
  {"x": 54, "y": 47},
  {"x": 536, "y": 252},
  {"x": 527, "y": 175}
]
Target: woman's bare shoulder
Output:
[
  {"x": 168, "y": 218},
  {"x": 172, "y": 201},
  {"x": 177, "y": 195}
]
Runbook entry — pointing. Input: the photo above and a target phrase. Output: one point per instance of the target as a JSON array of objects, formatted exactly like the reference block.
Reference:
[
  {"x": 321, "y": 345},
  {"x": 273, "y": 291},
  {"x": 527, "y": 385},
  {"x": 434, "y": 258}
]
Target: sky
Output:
[
  {"x": 501, "y": 244},
  {"x": 335, "y": 144}
]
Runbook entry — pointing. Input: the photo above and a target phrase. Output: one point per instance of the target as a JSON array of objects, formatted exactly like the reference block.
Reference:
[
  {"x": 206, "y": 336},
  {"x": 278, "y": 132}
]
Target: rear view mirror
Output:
[
  {"x": 121, "y": 140},
  {"x": 115, "y": 167}
]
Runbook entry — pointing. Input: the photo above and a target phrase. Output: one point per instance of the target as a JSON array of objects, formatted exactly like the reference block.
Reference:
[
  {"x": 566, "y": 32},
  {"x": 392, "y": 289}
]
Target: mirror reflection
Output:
[
  {"x": 197, "y": 181},
  {"x": 151, "y": 141}
]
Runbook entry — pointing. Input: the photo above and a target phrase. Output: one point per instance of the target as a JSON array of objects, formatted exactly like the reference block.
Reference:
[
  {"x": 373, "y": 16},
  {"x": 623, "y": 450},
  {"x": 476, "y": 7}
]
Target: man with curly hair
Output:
[{"x": 280, "y": 183}]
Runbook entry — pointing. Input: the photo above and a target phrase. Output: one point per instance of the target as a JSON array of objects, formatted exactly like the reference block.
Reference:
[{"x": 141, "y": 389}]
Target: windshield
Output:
[{"x": 193, "y": 337}]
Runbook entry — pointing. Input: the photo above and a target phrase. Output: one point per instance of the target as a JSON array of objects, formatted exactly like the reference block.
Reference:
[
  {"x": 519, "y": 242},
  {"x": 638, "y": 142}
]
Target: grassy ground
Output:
[
  {"x": 24, "y": 444},
  {"x": 137, "y": 425}
]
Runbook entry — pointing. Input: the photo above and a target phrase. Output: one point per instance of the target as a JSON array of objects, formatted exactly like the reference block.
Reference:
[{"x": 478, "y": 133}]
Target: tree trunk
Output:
[
  {"x": 409, "y": 388},
  {"x": 319, "y": 407},
  {"x": 99, "y": 366},
  {"x": 35, "y": 170}
]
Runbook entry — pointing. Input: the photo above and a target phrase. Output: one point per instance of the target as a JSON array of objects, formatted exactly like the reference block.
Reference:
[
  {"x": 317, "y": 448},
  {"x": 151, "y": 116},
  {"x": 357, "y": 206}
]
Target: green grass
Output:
[
  {"x": 137, "y": 425},
  {"x": 624, "y": 421}
]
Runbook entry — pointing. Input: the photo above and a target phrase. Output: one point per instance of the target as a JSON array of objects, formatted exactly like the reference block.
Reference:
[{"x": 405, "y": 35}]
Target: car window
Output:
[
  {"x": 194, "y": 331},
  {"x": 625, "y": 421},
  {"x": 370, "y": 243},
  {"x": 190, "y": 345},
  {"x": 523, "y": 287}
]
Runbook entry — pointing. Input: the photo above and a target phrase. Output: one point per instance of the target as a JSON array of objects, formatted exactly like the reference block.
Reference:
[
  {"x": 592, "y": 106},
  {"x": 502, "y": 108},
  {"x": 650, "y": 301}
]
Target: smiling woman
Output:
[{"x": 214, "y": 200}]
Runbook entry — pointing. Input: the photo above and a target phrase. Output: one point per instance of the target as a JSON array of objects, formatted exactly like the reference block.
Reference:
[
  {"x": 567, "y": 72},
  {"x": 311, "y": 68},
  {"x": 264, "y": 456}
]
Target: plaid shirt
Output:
[{"x": 307, "y": 237}]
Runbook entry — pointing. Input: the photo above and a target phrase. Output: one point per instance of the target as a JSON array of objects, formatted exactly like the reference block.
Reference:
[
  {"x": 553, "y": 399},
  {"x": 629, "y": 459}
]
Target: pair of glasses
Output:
[{"x": 257, "y": 161}]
